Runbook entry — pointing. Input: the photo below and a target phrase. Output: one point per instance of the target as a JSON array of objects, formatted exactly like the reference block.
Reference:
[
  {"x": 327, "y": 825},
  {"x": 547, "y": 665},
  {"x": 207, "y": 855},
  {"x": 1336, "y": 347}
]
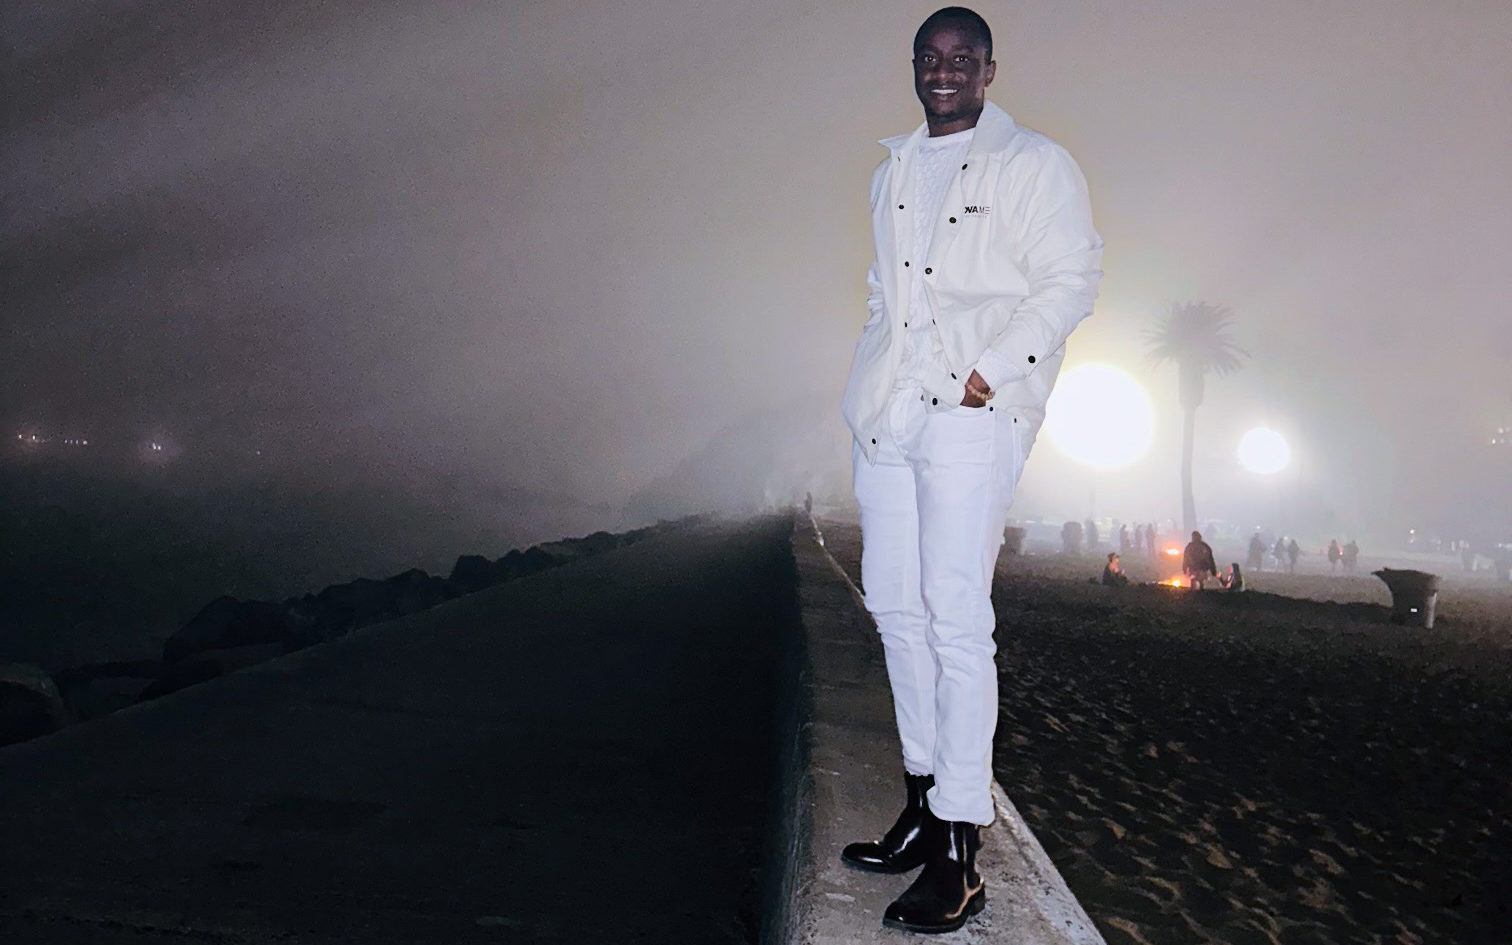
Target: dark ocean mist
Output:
[{"x": 102, "y": 561}]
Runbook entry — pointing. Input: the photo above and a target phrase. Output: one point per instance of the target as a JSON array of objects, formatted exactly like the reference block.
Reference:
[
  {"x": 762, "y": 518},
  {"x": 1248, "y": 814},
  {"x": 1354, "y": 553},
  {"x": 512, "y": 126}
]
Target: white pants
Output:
[{"x": 933, "y": 507}]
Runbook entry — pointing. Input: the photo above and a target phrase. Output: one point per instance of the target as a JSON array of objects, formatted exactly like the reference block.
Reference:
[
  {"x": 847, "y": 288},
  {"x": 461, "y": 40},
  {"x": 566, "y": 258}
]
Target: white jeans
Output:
[{"x": 933, "y": 507}]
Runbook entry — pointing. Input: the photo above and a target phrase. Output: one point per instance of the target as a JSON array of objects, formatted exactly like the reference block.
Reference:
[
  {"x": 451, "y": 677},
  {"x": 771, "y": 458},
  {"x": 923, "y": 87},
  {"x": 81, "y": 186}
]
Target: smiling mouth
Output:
[{"x": 942, "y": 91}]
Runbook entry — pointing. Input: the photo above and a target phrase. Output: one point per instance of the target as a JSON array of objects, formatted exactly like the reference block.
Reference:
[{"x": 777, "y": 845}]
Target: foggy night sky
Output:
[{"x": 564, "y": 244}]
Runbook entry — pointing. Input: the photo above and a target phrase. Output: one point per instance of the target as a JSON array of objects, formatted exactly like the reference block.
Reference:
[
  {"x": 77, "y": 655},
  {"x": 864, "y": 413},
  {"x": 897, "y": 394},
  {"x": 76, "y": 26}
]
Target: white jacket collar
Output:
[{"x": 995, "y": 129}]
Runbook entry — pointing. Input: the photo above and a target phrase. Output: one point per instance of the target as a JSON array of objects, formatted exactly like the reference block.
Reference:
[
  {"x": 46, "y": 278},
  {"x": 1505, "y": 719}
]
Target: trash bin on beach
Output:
[
  {"x": 1414, "y": 595},
  {"x": 1013, "y": 540}
]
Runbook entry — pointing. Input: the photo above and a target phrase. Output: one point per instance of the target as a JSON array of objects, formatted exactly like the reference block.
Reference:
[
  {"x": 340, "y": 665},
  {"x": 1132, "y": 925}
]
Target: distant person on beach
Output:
[
  {"x": 1125, "y": 542},
  {"x": 1293, "y": 550},
  {"x": 1139, "y": 538},
  {"x": 986, "y": 259},
  {"x": 1113, "y": 574},
  {"x": 1279, "y": 551},
  {"x": 1351, "y": 556},
  {"x": 1334, "y": 554},
  {"x": 1197, "y": 561},
  {"x": 1089, "y": 528},
  {"x": 1255, "y": 560},
  {"x": 1151, "y": 540}
]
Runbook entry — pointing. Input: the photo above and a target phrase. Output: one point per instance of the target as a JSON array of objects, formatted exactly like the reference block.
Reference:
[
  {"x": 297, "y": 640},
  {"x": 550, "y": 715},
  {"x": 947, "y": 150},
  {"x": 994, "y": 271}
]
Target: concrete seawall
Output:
[{"x": 854, "y": 790}]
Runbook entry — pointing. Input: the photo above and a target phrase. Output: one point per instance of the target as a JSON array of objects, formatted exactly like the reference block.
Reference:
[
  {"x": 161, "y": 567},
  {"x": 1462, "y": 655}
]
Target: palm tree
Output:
[{"x": 1195, "y": 335}]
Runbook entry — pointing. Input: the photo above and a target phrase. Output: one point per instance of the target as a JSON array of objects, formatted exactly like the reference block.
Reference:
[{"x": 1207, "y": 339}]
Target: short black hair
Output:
[{"x": 970, "y": 20}]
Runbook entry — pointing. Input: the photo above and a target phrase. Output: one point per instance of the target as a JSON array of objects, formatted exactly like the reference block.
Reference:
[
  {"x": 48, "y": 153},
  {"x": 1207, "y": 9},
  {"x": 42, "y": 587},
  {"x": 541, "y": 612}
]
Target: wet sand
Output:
[{"x": 1260, "y": 768}]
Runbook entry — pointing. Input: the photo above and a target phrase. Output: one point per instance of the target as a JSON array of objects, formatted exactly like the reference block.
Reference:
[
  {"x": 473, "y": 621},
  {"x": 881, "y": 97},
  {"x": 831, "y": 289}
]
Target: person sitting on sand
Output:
[
  {"x": 1113, "y": 574},
  {"x": 1233, "y": 578},
  {"x": 1197, "y": 561}
]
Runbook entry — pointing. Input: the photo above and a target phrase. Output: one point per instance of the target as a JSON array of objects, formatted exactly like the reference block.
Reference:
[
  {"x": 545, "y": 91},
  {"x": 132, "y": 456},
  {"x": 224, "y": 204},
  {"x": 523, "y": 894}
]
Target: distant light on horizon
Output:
[
  {"x": 1264, "y": 452},
  {"x": 1100, "y": 417}
]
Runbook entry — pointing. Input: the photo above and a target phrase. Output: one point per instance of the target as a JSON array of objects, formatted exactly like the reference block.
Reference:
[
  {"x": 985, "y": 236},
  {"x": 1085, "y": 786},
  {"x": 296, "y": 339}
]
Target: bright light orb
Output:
[
  {"x": 1263, "y": 451},
  {"x": 1100, "y": 417}
]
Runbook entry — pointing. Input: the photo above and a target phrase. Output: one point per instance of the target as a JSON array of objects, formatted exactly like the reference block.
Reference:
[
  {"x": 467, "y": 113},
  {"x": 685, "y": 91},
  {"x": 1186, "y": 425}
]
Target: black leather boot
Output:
[
  {"x": 902, "y": 848},
  {"x": 948, "y": 891}
]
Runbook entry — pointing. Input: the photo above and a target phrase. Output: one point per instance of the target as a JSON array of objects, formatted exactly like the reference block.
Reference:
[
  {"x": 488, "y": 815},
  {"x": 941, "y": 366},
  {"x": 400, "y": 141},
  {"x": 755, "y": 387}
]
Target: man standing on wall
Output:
[{"x": 986, "y": 259}]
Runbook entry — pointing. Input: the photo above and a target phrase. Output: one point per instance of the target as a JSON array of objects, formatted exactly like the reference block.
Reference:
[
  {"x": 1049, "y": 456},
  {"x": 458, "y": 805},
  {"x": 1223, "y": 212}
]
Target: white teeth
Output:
[{"x": 944, "y": 91}]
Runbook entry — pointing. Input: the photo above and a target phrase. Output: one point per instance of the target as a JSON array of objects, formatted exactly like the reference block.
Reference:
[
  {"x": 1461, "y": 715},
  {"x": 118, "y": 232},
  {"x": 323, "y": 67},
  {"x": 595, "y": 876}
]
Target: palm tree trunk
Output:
[{"x": 1188, "y": 502}]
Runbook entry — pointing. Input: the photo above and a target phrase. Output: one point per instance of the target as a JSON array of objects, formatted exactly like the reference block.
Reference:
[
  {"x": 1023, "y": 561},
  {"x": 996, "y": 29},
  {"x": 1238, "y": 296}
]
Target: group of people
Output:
[
  {"x": 1285, "y": 551},
  {"x": 1197, "y": 564},
  {"x": 1142, "y": 539},
  {"x": 1348, "y": 555}
]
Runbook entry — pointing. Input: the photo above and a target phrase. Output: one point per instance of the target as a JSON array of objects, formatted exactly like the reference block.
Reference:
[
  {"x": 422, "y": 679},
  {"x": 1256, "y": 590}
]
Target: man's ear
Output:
[{"x": 991, "y": 72}]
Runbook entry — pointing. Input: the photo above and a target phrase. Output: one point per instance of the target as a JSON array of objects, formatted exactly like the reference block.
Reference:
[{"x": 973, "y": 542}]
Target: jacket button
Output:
[
  {"x": 952, "y": 219},
  {"x": 905, "y": 264},
  {"x": 928, "y": 270},
  {"x": 1031, "y": 359},
  {"x": 963, "y": 167},
  {"x": 952, "y": 377},
  {"x": 935, "y": 401},
  {"x": 874, "y": 441},
  {"x": 900, "y": 206},
  {"x": 905, "y": 324}
]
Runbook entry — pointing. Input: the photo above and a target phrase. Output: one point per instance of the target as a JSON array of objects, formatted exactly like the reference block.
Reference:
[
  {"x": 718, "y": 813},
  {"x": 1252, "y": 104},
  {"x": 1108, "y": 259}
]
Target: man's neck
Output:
[{"x": 938, "y": 129}]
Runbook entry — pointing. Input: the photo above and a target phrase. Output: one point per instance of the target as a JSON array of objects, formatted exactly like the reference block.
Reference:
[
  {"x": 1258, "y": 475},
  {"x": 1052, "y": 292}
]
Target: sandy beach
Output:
[{"x": 1282, "y": 766}]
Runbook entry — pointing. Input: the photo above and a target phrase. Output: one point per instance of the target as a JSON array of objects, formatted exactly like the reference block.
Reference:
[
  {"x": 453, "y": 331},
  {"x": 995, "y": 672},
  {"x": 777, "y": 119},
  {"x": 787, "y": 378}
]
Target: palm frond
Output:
[{"x": 1197, "y": 336}]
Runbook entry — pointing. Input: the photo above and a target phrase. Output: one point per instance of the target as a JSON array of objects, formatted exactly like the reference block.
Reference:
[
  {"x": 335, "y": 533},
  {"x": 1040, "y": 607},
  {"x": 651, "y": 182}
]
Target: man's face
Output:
[{"x": 951, "y": 75}]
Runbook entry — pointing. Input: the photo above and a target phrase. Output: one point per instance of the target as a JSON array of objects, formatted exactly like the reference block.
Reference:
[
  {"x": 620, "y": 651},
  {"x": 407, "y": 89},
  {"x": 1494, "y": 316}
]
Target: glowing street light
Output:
[
  {"x": 1100, "y": 417},
  {"x": 1264, "y": 452}
]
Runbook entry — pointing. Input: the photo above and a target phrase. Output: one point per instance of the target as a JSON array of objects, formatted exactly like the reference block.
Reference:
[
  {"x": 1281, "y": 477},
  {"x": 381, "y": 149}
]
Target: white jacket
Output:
[{"x": 1012, "y": 269}]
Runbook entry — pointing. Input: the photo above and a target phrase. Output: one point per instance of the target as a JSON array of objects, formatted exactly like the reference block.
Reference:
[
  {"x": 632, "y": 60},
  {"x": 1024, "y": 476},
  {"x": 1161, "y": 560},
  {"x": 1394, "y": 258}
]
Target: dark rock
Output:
[
  {"x": 227, "y": 622},
  {"x": 597, "y": 543},
  {"x": 414, "y": 591},
  {"x": 208, "y": 665},
  {"x": 101, "y": 688},
  {"x": 473, "y": 573},
  {"x": 561, "y": 552},
  {"x": 344, "y": 607},
  {"x": 103, "y": 695},
  {"x": 518, "y": 564},
  {"x": 30, "y": 705},
  {"x": 121, "y": 669}
]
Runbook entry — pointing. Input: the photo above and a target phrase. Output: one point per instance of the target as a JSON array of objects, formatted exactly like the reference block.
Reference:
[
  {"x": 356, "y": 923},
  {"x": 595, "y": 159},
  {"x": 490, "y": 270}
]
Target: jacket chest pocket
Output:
[{"x": 982, "y": 261}]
